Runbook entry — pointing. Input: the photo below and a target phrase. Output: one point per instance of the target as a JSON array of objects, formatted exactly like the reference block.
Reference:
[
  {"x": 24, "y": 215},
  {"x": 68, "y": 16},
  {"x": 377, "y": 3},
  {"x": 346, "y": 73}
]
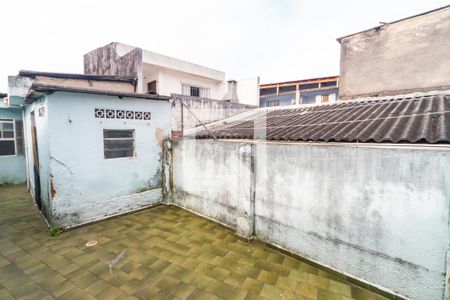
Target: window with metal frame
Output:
[
  {"x": 273, "y": 103},
  {"x": 195, "y": 91},
  {"x": 118, "y": 143},
  {"x": 7, "y": 137}
]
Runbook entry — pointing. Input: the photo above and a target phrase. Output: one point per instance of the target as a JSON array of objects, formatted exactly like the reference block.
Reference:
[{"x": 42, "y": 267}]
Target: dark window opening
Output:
[
  {"x": 151, "y": 87},
  {"x": 118, "y": 143},
  {"x": 269, "y": 91},
  {"x": 329, "y": 83},
  {"x": 289, "y": 88},
  {"x": 195, "y": 91},
  {"x": 309, "y": 86}
]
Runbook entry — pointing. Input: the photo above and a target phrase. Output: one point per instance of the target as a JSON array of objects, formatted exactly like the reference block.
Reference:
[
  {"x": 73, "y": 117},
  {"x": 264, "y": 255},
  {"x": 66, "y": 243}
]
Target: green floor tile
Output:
[{"x": 171, "y": 254}]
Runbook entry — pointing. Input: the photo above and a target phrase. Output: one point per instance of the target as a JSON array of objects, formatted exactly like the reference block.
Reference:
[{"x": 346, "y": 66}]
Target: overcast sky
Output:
[{"x": 277, "y": 40}]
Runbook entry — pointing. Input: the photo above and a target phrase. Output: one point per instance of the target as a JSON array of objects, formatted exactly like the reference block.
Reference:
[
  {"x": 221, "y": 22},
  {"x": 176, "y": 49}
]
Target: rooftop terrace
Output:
[{"x": 170, "y": 253}]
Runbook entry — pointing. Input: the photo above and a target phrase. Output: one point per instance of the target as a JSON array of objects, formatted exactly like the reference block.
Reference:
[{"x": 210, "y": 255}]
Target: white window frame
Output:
[{"x": 13, "y": 121}]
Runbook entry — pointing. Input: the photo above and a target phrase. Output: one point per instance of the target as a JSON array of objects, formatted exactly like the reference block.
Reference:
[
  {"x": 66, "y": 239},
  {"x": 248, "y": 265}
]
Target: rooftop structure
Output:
[
  {"x": 400, "y": 57},
  {"x": 164, "y": 75},
  {"x": 306, "y": 91},
  {"x": 415, "y": 118}
]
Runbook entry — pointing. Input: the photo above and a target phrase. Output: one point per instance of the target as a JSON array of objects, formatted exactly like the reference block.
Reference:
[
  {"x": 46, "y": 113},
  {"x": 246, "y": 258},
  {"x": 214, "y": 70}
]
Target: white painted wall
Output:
[
  {"x": 248, "y": 91},
  {"x": 379, "y": 214},
  {"x": 171, "y": 63},
  {"x": 206, "y": 179},
  {"x": 86, "y": 186},
  {"x": 170, "y": 81}
]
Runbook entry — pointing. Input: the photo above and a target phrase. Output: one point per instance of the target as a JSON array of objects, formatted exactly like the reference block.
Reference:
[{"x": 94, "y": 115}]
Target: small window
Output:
[
  {"x": 273, "y": 103},
  {"x": 325, "y": 98},
  {"x": 7, "y": 137},
  {"x": 151, "y": 87},
  {"x": 194, "y": 91},
  {"x": 118, "y": 143}
]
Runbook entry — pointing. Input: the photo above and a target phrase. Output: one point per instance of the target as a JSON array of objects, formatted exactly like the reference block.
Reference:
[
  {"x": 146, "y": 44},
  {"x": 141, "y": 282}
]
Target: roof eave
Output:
[
  {"x": 34, "y": 74},
  {"x": 38, "y": 90}
]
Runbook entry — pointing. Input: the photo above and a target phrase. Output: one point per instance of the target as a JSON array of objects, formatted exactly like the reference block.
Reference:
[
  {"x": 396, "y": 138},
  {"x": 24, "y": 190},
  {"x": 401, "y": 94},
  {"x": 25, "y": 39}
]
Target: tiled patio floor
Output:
[{"x": 170, "y": 254}]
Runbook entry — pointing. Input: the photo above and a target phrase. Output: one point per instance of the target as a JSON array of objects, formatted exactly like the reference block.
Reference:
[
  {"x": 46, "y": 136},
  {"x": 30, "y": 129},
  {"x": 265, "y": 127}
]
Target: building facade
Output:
[
  {"x": 404, "y": 56},
  {"x": 12, "y": 157},
  {"x": 307, "y": 91},
  {"x": 91, "y": 153},
  {"x": 164, "y": 75}
]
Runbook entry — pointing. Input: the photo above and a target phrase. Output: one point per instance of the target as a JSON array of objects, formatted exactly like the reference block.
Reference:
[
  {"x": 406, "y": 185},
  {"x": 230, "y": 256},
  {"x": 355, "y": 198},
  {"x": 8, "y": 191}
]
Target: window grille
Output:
[
  {"x": 195, "y": 91},
  {"x": 273, "y": 103}
]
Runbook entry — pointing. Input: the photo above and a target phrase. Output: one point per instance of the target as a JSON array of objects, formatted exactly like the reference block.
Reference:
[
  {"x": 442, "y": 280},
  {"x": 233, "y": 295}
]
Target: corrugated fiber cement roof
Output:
[{"x": 416, "y": 118}]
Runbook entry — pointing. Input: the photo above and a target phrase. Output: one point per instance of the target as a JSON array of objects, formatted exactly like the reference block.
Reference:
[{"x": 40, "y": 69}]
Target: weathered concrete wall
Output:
[
  {"x": 84, "y": 186},
  {"x": 12, "y": 168},
  {"x": 213, "y": 179},
  {"x": 110, "y": 60},
  {"x": 126, "y": 87},
  {"x": 40, "y": 110},
  {"x": 206, "y": 110},
  {"x": 379, "y": 214},
  {"x": 403, "y": 57}
]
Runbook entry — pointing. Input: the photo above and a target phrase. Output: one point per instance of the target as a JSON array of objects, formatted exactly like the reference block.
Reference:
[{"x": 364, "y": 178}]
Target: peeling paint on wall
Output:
[
  {"x": 78, "y": 184},
  {"x": 347, "y": 208}
]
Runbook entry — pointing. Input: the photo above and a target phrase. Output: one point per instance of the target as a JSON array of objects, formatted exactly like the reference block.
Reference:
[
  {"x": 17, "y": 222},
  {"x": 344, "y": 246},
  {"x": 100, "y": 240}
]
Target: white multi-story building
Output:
[{"x": 166, "y": 75}]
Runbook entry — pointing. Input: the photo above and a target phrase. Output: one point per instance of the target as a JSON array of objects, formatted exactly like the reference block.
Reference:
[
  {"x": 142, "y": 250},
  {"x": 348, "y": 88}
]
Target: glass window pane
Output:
[
  {"x": 19, "y": 128},
  {"x": 8, "y": 126},
  {"x": 118, "y": 143},
  {"x": 309, "y": 86},
  {"x": 7, "y": 148},
  {"x": 20, "y": 146},
  {"x": 8, "y": 134},
  {"x": 111, "y": 134}
]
